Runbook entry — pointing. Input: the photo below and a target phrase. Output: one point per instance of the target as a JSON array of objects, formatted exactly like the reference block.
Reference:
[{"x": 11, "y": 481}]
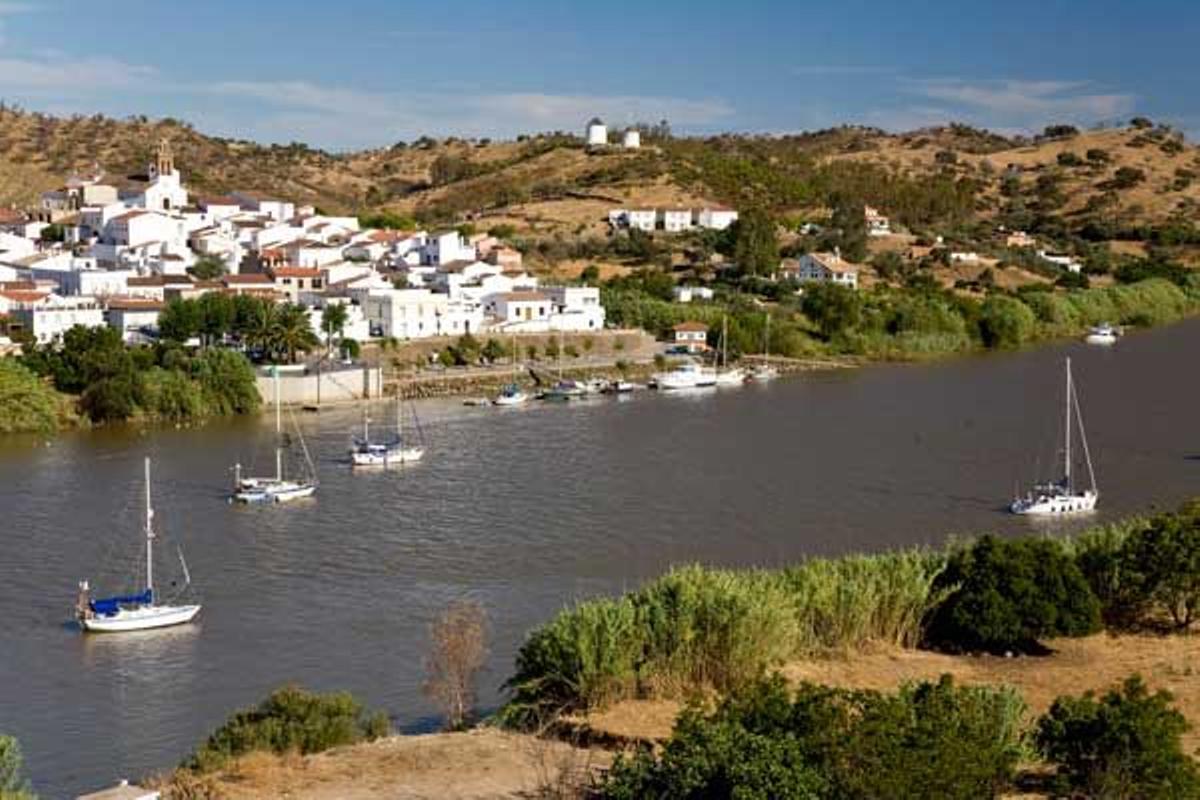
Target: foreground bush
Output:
[
  {"x": 290, "y": 719},
  {"x": 1124, "y": 745},
  {"x": 927, "y": 740},
  {"x": 27, "y": 403},
  {"x": 1007, "y": 594},
  {"x": 12, "y": 785}
]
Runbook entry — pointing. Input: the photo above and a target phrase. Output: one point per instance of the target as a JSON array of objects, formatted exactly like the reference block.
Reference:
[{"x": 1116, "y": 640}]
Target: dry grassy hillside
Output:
[{"x": 551, "y": 185}]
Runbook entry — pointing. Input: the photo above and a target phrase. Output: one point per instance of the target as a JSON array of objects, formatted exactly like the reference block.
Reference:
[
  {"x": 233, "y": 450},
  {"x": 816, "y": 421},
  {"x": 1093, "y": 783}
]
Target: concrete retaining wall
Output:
[{"x": 307, "y": 387}]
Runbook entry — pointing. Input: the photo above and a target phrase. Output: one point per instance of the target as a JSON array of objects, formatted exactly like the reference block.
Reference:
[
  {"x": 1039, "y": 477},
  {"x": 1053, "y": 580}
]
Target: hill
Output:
[{"x": 1112, "y": 183}]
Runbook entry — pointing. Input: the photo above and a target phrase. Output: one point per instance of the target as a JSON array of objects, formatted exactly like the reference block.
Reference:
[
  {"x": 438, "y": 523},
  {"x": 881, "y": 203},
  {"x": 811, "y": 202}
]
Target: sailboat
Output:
[
  {"x": 277, "y": 488},
  {"x": 365, "y": 453},
  {"x": 764, "y": 371},
  {"x": 511, "y": 394},
  {"x": 136, "y": 612},
  {"x": 1062, "y": 497},
  {"x": 724, "y": 375},
  {"x": 562, "y": 390}
]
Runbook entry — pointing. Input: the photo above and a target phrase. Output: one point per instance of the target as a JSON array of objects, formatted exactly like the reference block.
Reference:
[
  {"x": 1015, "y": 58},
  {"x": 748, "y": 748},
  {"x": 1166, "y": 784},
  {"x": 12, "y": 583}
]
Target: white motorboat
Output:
[
  {"x": 1062, "y": 497},
  {"x": 619, "y": 386},
  {"x": 512, "y": 395},
  {"x": 1102, "y": 334},
  {"x": 393, "y": 451},
  {"x": 137, "y": 612},
  {"x": 278, "y": 488},
  {"x": 688, "y": 375}
]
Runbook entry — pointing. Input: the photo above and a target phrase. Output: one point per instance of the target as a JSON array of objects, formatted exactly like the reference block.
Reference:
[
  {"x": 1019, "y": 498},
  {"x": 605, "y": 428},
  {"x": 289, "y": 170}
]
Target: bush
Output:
[
  {"x": 12, "y": 785},
  {"x": 27, "y": 403},
  {"x": 290, "y": 719},
  {"x": 1164, "y": 562},
  {"x": 1069, "y": 159},
  {"x": 1126, "y": 178},
  {"x": 1125, "y": 745},
  {"x": 1005, "y": 322},
  {"x": 1005, "y": 595},
  {"x": 928, "y": 740}
]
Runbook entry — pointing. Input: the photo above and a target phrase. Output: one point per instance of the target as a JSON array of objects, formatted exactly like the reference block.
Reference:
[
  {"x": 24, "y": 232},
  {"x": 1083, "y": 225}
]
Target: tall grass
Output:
[{"x": 698, "y": 628}]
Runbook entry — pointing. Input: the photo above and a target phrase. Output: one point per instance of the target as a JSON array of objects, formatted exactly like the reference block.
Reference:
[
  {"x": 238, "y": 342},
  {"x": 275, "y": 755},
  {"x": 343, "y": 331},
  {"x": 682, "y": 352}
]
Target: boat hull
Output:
[
  {"x": 1101, "y": 338},
  {"x": 511, "y": 400},
  {"x": 1055, "y": 505},
  {"x": 253, "y": 491},
  {"x": 404, "y": 455},
  {"x": 733, "y": 377},
  {"x": 141, "y": 619}
]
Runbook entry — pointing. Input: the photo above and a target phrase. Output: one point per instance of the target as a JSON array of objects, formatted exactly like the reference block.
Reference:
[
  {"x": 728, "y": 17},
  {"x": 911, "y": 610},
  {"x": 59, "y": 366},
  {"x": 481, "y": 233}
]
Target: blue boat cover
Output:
[{"x": 108, "y": 606}]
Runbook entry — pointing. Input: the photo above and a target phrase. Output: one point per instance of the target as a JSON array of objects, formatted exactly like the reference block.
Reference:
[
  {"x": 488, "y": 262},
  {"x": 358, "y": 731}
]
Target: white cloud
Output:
[
  {"x": 39, "y": 75},
  {"x": 1017, "y": 103},
  {"x": 842, "y": 69}
]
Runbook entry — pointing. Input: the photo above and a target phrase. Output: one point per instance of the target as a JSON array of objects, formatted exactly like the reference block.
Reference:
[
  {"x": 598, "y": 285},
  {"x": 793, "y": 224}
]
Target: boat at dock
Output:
[
  {"x": 761, "y": 373},
  {"x": 278, "y": 488},
  {"x": 1061, "y": 497},
  {"x": 512, "y": 394},
  {"x": 135, "y": 612},
  {"x": 688, "y": 375},
  {"x": 726, "y": 376}
]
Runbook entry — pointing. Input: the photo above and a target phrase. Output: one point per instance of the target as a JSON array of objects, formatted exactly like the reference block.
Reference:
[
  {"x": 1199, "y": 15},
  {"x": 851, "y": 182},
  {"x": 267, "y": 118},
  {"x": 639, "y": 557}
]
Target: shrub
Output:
[
  {"x": 27, "y": 403},
  {"x": 1008, "y": 594},
  {"x": 1005, "y": 322},
  {"x": 12, "y": 785},
  {"x": 1127, "y": 178},
  {"x": 1124, "y": 745},
  {"x": 1102, "y": 557},
  {"x": 930, "y": 740},
  {"x": 290, "y": 719},
  {"x": 1069, "y": 159},
  {"x": 1165, "y": 560},
  {"x": 459, "y": 646}
]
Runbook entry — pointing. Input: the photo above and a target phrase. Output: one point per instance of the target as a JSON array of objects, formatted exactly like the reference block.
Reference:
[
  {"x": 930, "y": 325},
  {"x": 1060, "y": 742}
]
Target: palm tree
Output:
[
  {"x": 333, "y": 320},
  {"x": 293, "y": 332},
  {"x": 260, "y": 327}
]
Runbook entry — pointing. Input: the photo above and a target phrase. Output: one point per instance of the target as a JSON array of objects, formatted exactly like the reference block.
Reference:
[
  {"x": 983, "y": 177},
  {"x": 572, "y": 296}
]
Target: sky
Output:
[{"x": 368, "y": 73}]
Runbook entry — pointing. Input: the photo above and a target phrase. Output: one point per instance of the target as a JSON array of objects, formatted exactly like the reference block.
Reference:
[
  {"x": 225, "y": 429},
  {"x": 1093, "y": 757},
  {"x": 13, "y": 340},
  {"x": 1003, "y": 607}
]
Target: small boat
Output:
[
  {"x": 764, "y": 372},
  {"x": 279, "y": 488},
  {"x": 724, "y": 375},
  {"x": 1102, "y": 334},
  {"x": 619, "y": 387},
  {"x": 395, "y": 450},
  {"x": 511, "y": 395},
  {"x": 688, "y": 375},
  {"x": 564, "y": 390},
  {"x": 137, "y": 612},
  {"x": 1061, "y": 497}
]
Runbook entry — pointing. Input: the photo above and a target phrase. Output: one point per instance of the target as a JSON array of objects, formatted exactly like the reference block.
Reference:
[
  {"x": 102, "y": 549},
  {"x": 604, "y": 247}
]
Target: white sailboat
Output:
[
  {"x": 724, "y": 375},
  {"x": 512, "y": 395},
  {"x": 764, "y": 371},
  {"x": 563, "y": 390},
  {"x": 1062, "y": 497},
  {"x": 134, "y": 612},
  {"x": 396, "y": 450},
  {"x": 277, "y": 488},
  {"x": 688, "y": 375}
]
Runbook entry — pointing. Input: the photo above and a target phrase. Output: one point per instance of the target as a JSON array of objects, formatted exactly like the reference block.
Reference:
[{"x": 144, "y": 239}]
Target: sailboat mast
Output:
[
  {"x": 149, "y": 533},
  {"x": 1068, "y": 426},
  {"x": 767, "y": 337},
  {"x": 399, "y": 415},
  {"x": 724, "y": 343},
  {"x": 278, "y": 429},
  {"x": 560, "y": 354},
  {"x": 366, "y": 425}
]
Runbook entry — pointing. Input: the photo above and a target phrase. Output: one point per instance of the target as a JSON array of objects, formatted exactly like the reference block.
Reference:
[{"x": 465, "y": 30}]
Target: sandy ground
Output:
[{"x": 491, "y": 763}]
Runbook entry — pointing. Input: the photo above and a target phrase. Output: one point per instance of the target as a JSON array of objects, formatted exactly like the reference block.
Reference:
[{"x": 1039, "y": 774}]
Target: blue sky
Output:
[{"x": 361, "y": 73}]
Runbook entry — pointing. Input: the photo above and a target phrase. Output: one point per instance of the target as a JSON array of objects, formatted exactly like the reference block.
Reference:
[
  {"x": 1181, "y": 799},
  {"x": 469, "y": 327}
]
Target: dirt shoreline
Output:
[{"x": 487, "y": 762}]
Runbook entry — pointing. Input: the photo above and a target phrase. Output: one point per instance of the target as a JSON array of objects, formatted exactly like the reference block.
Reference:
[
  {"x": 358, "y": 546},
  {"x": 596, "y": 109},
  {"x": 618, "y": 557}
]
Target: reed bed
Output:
[{"x": 701, "y": 629}]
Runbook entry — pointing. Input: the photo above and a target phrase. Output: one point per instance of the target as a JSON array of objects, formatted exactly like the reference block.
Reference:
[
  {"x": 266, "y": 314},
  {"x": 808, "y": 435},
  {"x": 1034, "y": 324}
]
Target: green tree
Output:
[
  {"x": 208, "y": 268},
  {"x": 494, "y": 351},
  {"x": 832, "y": 308},
  {"x": 216, "y": 312},
  {"x": 180, "y": 320},
  {"x": 1005, "y": 322},
  {"x": 1006, "y": 595},
  {"x": 1124, "y": 746},
  {"x": 292, "y": 333},
  {"x": 849, "y": 224},
  {"x": 27, "y": 403},
  {"x": 333, "y": 321},
  {"x": 590, "y": 274},
  {"x": 1166, "y": 560},
  {"x": 755, "y": 243}
]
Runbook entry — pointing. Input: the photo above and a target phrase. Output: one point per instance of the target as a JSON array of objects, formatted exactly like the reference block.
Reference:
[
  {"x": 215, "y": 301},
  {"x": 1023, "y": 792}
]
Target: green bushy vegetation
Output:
[
  {"x": 1125, "y": 744},
  {"x": 930, "y": 740},
  {"x": 115, "y": 382},
  {"x": 28, "y": 403},
  {"x": 289, "y": 720},
  {"x": 706, "y": 629},
  {"x": 13, "y": 786}
]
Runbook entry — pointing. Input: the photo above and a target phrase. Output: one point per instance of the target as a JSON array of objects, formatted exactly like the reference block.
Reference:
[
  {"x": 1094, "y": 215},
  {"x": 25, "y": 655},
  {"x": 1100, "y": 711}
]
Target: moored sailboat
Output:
[
  {"x": 396, "y": 450},
  {"x": 135, "y": 612},
  {"x": 725, "y": 376},
  {"x": 1062, "y": 497},
  {"x": 277, "y": 488},
  {"x": 512, "y": 394}
]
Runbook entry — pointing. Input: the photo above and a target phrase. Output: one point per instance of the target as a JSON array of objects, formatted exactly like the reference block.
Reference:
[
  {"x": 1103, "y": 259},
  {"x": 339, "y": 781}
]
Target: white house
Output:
[
  {"x": 48, "y": 318},
  {"x": 827, "y": 268},
  {"x": 632, "y": 140},
  {"x": 1063, "y": 260},
  {"x": 717, "y": 218},
  {"x": 576, "y": 308},
  {"x": 404, "y": 313},
  {"x": 445, "y": 247},
  {"x": 964, "y": 257},
  {"x": 596, "y": 133},
  {"x": 135, "y": 318},
  {"x": 641, "y": 218},
  {"x": 523, "y": 311},
  {"x": 676, "y": 220},
  {"x": 686, "y": 294},
  {"x": 877, "y": 223}
]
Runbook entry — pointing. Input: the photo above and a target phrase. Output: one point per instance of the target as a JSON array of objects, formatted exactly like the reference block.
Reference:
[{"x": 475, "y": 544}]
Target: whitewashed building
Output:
[
  {"x": 135, "y": 318},
  {"x": 676, "y": 220},
  {"x": 826, "y": 268},
  {"x": 632, "y": 140},
  {"x": 596, "y": 133},
  {"x": 686, "y": 294},
  {"x": 1064, "y": 260},
  {"x": 877, "y": 223},
  {"x": 48, "y": 318},
  {"x": 716, "y": 218}
]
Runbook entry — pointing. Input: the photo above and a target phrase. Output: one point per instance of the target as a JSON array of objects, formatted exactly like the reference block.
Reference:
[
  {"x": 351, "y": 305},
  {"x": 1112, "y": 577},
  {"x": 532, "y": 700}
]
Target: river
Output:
[{"x": 525, "y": 510}]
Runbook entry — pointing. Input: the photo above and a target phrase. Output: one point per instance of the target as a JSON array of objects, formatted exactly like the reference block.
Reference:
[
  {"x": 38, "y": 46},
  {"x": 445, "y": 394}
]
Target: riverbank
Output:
[{"x": 487, "y": 762}]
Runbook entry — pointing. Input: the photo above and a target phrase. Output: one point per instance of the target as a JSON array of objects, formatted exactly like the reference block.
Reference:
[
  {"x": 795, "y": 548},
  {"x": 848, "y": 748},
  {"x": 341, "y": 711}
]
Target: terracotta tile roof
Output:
[
  {"x": 294, "y": 272},
  {"x": 20, "y": 296},
  {"x": 133, "y": 304},
  {"x": 691, "y": 327},
  {"x": 518, "y": 297},
  {"x": 247, "y": 279}
]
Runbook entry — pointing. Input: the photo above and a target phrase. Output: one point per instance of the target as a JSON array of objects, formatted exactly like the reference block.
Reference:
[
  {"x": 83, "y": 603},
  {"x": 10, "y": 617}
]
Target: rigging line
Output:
[
  {"x": 1083, "y": 436},
  {"x": 312, "y": 470}
]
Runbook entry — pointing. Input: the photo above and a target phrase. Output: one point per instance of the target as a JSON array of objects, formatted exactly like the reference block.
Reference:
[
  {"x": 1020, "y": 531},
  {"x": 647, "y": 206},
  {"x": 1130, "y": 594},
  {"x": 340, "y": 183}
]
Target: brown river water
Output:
[{"x": 525, "y": 510}]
